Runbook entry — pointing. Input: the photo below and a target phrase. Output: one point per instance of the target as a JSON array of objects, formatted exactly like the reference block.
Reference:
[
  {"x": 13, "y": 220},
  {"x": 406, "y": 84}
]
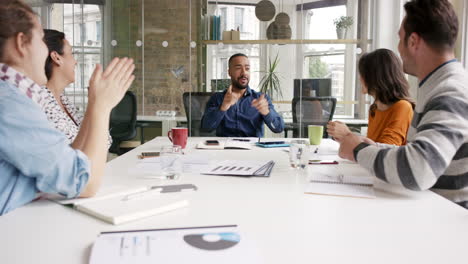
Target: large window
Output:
[
  {"x": 330, "y": 60},
  {"x": 82, "y": 26},
  {"x": 239, "y": 18}
]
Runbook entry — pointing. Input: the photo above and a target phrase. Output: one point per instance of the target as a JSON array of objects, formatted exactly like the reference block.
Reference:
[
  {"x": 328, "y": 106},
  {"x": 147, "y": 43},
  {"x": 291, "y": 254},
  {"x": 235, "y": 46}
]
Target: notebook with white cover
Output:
[
  {"x": 129, "y": 205},
  {"x": 342, "y": 185}
]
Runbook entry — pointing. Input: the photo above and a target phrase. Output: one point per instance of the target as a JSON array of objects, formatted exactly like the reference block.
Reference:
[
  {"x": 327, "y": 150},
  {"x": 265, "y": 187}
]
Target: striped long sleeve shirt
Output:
[{"x": 436, "y": 156}]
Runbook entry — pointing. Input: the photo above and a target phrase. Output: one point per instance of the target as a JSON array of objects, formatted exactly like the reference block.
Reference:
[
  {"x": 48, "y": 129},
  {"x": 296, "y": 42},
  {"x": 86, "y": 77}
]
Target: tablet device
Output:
[
  {"x": 323, "y": 162},
  {"x": 272, "y": 144}
]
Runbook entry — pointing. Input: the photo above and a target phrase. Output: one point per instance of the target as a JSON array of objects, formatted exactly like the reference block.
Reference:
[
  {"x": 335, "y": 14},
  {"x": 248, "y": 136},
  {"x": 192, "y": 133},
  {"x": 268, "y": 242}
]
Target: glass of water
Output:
[
  {"x": 299, "y": 153},
  {"x": 171, "y": 161}
]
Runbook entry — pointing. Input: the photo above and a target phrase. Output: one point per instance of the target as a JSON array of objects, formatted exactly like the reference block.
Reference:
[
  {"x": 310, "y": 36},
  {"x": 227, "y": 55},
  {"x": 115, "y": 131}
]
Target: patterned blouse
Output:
[
  {"x": 24, "y": 84},
  {"x": 69, "y": 125}
]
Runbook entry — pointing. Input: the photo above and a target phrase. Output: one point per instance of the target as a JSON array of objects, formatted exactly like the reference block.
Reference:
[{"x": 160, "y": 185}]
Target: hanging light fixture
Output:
[
  {"x": 280, "y": 28},
  {"x": 265, "y": 10}
]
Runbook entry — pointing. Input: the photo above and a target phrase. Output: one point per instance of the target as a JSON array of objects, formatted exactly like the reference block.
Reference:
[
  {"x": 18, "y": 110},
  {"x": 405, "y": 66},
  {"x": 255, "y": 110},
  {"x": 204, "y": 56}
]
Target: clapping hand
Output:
[
  {"x": 261, "y": 104},
  {"x": 107, "y": 88}
]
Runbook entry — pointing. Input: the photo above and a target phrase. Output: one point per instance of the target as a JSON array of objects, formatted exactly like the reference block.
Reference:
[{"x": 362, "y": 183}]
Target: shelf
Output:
[{"x": 288, "y": 41}]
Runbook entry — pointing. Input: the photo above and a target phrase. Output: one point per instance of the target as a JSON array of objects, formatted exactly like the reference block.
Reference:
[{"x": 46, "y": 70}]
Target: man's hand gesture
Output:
[
  {"x": 261, "y": 104},
  {"x": 230, "y": 99}
]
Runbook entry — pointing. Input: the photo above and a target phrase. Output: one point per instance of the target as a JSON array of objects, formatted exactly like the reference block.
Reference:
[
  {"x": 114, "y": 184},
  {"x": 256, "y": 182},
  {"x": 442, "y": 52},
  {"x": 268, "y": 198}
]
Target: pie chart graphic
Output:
[{"x": 212, "y": 241}]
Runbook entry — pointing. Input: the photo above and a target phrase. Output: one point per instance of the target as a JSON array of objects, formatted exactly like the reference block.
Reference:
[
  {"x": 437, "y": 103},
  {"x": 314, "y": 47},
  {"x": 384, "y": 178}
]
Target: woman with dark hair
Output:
[
  {"x": 381, "y": 75},
  {"x": 35, "y": 158},
  {"x": 60, "y": 72}
]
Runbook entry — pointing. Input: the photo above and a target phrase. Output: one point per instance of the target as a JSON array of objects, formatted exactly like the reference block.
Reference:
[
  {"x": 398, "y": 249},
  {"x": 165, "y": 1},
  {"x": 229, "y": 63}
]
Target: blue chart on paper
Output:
[{"x": 212, "y": 241}]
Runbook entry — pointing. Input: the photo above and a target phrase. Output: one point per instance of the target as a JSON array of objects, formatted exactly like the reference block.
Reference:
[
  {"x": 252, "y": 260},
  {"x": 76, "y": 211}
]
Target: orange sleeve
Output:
[{"x": 396, "y": 130}]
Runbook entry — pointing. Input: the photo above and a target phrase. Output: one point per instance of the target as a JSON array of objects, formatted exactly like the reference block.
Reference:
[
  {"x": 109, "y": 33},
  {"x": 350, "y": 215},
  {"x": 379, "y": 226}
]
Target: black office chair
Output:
[
  {"x": 312, "y": 111},
  {"x": 195, "y": 104},
  {"x": 123, "y": 122}
]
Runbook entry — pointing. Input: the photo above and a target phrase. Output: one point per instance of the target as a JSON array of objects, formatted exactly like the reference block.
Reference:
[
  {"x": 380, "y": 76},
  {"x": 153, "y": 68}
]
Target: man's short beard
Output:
[{"x": 239, "y": 86}]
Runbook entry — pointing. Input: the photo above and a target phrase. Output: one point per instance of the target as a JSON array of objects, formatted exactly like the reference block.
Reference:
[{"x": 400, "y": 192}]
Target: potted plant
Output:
[
  {"x": 270, "y": 82},
  {"x": 342, "y": 24}
]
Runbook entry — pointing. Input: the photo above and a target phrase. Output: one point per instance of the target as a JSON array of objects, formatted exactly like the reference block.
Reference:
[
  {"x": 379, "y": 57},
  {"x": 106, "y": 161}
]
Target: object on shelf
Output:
[
  {"x": 278, "y": 31},
  {"x": 282, "y": 19},
  {"x": 265, "y": 10},
  {"x": 342, "y": 24},
  {"x": 231, "y": 35},
  {"x": 212, "y": 27},
  {"x": 280, "y": 28}
]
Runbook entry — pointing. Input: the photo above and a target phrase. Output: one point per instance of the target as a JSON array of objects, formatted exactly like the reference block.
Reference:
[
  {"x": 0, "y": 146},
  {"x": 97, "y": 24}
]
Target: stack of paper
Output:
[
  {"x": 241, "y": 168},
  {"x": 342, "y": 185}
]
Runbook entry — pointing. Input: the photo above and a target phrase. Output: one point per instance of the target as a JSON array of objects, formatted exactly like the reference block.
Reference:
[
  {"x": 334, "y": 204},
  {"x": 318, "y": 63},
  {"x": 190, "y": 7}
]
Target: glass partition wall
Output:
[
  {"x": 313, "y": 58},
  {"x": 184, "y": 46},
  {"x": 82, "y": 23}
]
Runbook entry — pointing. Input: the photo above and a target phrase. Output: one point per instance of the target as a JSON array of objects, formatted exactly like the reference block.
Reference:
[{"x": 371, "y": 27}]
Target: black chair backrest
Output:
[
  {"x": 123, "y": 119},
  {"x": 312, "y": 111},
  {"x": 195, "y": 104}
]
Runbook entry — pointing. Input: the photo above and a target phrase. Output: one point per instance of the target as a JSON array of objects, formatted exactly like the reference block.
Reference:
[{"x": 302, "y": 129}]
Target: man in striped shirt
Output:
[{"x": 436, "y": 156}]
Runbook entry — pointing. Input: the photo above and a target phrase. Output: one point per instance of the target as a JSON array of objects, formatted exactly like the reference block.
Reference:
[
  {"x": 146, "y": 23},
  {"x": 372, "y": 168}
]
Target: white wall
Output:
[{"x": 387, "y": 19}]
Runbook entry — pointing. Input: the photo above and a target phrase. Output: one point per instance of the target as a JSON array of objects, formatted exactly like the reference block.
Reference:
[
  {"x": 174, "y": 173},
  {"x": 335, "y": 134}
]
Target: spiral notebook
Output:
[{"x": 342, "y": 185}]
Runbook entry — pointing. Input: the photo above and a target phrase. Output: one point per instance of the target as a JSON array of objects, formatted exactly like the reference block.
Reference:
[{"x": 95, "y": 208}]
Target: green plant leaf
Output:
[{"x": 270, "y": 82}]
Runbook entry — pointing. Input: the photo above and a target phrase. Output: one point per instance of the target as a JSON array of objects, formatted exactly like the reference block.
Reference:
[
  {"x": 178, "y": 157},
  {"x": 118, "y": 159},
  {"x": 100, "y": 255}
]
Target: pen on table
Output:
[
  {"x": 258, "y": 139},
  {"x": 150, "y": 191}
]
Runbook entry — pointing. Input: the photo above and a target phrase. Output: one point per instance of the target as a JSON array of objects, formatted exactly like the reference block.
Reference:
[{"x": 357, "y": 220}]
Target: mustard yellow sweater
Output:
[{"x": 391, "y": 126}]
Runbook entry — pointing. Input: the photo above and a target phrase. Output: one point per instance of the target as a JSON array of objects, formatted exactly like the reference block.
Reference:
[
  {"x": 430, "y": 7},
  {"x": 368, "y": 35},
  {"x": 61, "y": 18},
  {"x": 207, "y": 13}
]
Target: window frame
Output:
[
  {"x": 78, "y": 92},
  {"x": 350, "y": 63}
]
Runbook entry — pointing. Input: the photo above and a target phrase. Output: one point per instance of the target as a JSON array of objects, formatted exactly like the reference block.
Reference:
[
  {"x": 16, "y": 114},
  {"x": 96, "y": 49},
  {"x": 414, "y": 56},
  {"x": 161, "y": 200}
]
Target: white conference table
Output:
[{"x": 286, "y": 225}]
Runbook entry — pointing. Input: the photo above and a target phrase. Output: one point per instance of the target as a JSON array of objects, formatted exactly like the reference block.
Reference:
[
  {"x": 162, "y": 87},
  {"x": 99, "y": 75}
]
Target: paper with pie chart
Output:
[
  {"x": 214, "y": 244},
  {"x": 213, "y": 241}
]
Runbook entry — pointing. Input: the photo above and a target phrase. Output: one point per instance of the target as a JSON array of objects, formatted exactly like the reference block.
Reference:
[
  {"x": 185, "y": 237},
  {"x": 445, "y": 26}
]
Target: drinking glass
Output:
[
  {"x": 299, "y": 153},
  {"x": 171, "y": 161},
  {"x": 315, "y": 134}
]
